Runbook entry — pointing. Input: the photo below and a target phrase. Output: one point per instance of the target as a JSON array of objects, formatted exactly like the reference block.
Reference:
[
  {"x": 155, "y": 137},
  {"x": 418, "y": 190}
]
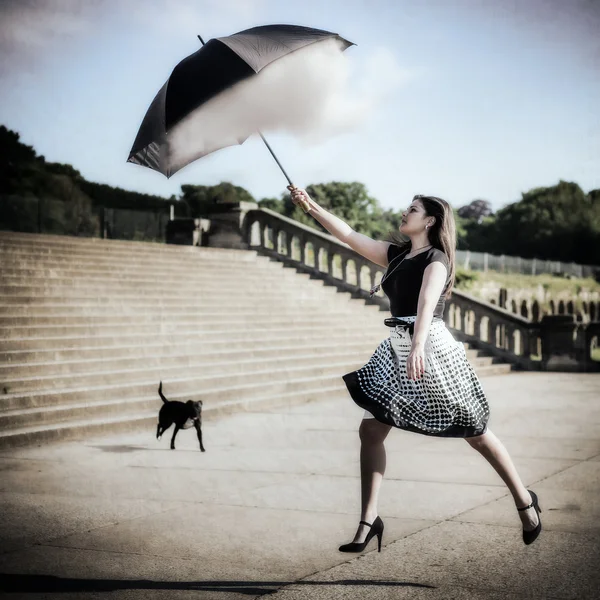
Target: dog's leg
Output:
[
  {"x": 158, "y": 432},
  {"x": 177, "y": 428},
  {"x": 199, "y": 430}
]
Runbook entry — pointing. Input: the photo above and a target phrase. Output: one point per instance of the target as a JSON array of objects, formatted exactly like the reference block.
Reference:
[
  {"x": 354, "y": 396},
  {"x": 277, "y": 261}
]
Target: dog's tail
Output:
[{"x": 161, "y": 394}]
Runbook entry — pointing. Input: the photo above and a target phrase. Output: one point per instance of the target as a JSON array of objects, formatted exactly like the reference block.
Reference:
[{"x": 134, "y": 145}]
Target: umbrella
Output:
[{"x": 179, "y": 126}]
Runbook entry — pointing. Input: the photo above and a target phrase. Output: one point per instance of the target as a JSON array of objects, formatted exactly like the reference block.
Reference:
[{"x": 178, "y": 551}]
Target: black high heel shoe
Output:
[
  {"x": 530, "y": 536},
  {"x": 376, "y": 530}
]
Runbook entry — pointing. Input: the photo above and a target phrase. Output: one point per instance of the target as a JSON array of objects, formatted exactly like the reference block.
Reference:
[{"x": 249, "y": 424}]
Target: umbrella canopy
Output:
[{"x": 180, "y": 124}]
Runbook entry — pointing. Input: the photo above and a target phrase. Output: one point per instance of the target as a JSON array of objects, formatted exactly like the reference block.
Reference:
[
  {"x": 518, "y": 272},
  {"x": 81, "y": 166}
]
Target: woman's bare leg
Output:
[
  {"x": 372, "y": 468},
  {"x": 493, "y": 450}
]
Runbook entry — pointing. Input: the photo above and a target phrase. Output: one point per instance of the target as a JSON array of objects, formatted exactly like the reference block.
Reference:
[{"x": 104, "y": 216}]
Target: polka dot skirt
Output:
[{"x": 447, "y": 400}]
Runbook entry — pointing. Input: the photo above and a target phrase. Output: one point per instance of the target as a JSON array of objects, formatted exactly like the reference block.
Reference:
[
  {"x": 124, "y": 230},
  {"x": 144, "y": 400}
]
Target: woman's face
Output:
[{"x": 414, "y": 218}]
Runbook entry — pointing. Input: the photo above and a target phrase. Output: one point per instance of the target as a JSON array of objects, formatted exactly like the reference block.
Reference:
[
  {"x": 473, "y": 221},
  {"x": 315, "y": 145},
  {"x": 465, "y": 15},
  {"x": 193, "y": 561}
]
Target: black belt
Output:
[
  {"x": 405, "y": 325},
  {"x": 398, "y": 322}
]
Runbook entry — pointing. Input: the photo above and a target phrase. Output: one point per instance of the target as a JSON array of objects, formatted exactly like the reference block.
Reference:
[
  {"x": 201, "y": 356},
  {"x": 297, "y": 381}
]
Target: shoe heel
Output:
[{"x": 379, "y": 536}]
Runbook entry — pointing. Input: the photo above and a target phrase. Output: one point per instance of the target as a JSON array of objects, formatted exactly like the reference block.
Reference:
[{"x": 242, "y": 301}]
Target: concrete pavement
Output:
[{"x": 264, "y": 509}]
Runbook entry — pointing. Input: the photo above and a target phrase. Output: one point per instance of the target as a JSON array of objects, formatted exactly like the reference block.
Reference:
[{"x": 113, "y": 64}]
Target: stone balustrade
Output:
[{"x": 556, "y": 342}]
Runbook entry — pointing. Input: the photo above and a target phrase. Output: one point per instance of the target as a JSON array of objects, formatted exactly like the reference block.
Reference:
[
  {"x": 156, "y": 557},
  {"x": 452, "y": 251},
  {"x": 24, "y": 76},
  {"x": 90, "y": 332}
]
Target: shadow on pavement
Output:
[{"x": 16, "y": 583}]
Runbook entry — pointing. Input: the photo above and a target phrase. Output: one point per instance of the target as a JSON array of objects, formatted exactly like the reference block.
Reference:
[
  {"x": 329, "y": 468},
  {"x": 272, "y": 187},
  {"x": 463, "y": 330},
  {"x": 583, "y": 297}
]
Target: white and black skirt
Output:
[{"x": 446, "y": 401}]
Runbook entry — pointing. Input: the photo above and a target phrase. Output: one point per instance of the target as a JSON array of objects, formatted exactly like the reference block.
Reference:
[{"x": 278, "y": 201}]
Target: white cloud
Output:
[
  {"x": 37, "y": 25},
  {"x": 28, "y": 27},
  {"x": 30, "y": 30}
]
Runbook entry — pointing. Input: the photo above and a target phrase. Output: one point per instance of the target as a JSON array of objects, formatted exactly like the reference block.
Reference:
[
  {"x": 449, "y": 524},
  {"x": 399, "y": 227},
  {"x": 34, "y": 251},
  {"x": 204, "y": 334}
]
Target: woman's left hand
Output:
[{"x": 415, "y": 363}]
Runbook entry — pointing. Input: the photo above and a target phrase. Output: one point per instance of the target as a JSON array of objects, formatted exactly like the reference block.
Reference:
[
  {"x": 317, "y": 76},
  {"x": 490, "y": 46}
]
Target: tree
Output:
[
  {"x": 203, "y": 198},
  {"x": 476, "y": 210},
  {"x": 348, "y": 200},
  {"x": 276, "y": 204},
  {"x": 560, "y": 222}
]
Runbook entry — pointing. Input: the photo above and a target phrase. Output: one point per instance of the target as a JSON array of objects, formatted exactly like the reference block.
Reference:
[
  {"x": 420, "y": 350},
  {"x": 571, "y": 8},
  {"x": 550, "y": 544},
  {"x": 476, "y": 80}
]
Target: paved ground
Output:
[{"x": 265, "y": 508}]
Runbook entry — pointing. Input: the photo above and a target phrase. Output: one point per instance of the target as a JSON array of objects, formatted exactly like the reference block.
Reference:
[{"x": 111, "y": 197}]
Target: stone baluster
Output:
[{"x": 330, "y": 261}]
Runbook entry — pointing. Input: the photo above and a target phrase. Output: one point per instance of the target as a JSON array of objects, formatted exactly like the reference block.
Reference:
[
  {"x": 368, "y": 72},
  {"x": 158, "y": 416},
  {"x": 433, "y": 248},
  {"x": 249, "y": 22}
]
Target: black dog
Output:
[{"x": 183, "y": 414}]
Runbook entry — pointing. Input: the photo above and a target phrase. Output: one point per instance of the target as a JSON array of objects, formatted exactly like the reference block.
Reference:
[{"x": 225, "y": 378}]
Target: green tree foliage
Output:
[
  {"x": 560, "y": 222},
  {"x": 202, "y": 199},
  {"x": 348, "y": 201},
  {"x": 477, "y": 209},
  {"x": 276, "y": 204},
  {"x": 115, "y": 197}
]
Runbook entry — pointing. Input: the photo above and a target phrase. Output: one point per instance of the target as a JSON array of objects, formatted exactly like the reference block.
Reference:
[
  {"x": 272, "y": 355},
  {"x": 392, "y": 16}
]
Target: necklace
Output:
[{"x": 377, "y": 287}]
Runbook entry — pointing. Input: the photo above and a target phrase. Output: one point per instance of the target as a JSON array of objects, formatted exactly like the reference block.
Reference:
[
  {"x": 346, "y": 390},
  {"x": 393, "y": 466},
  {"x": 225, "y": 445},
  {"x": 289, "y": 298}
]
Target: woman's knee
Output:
[
  {"x": 478, "y": 441},
  {"x": 372, "y": 431}
]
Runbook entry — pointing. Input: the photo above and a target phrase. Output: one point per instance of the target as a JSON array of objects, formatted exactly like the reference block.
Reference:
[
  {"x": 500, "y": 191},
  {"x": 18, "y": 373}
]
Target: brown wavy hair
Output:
[{"x": 442, "y": 234}]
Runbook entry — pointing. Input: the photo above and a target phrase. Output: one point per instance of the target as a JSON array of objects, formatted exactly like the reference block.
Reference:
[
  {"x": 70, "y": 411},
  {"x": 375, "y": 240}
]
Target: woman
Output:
[{"x": 419, "y": 379}]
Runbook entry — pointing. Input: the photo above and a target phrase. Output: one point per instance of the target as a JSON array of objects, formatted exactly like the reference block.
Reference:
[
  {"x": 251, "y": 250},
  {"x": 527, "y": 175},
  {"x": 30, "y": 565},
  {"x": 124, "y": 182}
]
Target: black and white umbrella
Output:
[{"x": 181, "y": 124}]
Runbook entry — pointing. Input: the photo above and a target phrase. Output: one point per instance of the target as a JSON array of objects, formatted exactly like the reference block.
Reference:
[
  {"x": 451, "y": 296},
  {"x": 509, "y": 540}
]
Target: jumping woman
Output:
[{"x": 419, "y": 379}]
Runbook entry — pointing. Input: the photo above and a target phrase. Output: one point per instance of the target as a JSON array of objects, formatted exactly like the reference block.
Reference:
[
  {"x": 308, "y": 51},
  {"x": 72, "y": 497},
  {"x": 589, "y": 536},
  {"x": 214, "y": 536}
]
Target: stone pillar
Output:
[
  {"x": 227, "y": 225},
  {"x": 502, "y": 297},
  {"x": 561, "y": 347}
]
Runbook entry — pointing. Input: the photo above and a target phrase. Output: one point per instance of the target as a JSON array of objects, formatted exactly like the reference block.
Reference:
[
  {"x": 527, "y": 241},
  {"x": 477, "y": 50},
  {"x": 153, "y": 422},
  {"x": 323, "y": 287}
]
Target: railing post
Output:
[
  {"x": 558, "y": 350},
  {"x": 263, "y": 228}
]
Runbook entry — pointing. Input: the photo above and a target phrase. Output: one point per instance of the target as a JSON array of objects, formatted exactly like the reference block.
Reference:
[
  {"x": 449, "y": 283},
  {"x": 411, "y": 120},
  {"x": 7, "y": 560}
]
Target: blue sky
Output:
[{"x": 469, "y": 99}]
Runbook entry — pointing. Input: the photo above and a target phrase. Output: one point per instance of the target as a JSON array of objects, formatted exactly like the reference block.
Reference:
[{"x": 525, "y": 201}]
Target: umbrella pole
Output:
[{"x": 305, "y": 206}]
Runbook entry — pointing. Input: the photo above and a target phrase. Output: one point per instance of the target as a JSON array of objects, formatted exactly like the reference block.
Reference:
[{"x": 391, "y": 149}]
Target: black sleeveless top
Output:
[{"x": 403, "y": 286}]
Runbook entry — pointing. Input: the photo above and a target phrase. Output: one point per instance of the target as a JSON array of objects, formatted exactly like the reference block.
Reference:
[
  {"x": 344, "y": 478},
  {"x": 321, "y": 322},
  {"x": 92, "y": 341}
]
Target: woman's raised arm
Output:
[{"x": 373, "y": 250}]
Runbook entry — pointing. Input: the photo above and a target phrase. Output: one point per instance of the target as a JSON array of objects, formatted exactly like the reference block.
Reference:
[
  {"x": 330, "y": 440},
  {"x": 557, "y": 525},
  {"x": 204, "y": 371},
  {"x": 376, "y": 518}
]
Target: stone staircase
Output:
[{"x": 89, "y": 327}]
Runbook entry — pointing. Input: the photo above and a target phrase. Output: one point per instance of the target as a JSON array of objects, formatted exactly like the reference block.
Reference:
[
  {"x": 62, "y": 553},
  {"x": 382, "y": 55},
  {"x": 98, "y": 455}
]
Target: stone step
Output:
[
  {"x": 185, "y": 307},
  {"x": 157, "y": 287},
  {"x": 245, "y": 335},
  {"x": 197, "y": 274},
  {"x": 147, "y": 419},
  {"x": 88, "y": 410},
  {"x": 310, "y": 302},
  {"x": 209, "y": 288},
  {"x": 213, "y": 388},
  {"x": 255, "y": 346},
  {"x": 124, "y": 292},
  {"x": 223, "y": 368},
  {"x": 229, "y": 325},
  {"x": 77, "y": 265},
  {"x": 134, "y": 317},
  {"x": 18, "y": 256},
  {"x": 45, "y": 242},
  {"x": 84, "y": 300},
  {"x": 55, "y": 245},
  {"x": 158, "y": 357},
  {"x": 38, "y": 240}
]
